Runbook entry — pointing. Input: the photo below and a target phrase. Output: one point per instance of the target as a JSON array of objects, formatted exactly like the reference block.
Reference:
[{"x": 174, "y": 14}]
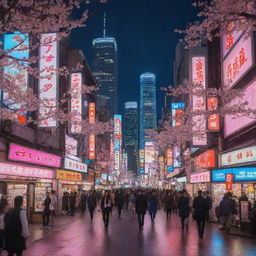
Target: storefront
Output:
[
  {"x": 28, "y": 181},
  {"x": 244, "y": 180},
  {"x": 200, "y": 181},
  {"x": 181, "y": 183}
]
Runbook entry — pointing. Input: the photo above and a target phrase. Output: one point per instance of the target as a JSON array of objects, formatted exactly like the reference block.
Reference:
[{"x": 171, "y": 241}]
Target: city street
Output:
[{"x": 78, "y": 237}]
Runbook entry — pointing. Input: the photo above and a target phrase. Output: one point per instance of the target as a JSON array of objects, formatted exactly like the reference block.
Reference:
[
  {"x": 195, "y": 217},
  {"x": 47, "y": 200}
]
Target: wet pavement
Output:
[{"x": 76, "y": 236}]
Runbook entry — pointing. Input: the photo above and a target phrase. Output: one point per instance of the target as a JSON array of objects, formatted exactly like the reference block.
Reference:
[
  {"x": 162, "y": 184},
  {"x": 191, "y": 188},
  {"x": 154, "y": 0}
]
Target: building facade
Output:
[
  {"x": 105, "y": 71},
  {"x": 131, "y": 134}
]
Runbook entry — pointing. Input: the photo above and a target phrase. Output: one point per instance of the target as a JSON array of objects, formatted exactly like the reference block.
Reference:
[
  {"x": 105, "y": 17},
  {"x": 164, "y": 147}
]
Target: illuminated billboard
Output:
[
  {"x": 238, "y": 62},
  {"x": 142, "y": 161},
  {"x": 177, "y": 163},
  {"x": 76, "y": 102},
  {"x": 205, "y": 160},
  {"x": 198, "y": 102},
  {"x": 92, "y": 138},
  {"x": 232, "y": 123},
  {"x": 177, "y": 110},
  {"x": 150, "y": 157},
  {"x": 169, "y": 159},
  {"x": 213, "y": 121},
  {"x": 16, "y": 45},
  {"x": 117, "y": 142},
  {"x": 70, "y": 145},
  {"x": 48, "y": 65}
]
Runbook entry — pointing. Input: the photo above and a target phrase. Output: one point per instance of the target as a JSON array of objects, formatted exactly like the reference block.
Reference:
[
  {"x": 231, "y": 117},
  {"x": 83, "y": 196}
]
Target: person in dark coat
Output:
[
  {"x": 209, "y": 204},
  {"x": 200, "y": 206},
  {"x": 119, "y": 201},
  {"x": 184, "y": 209},
  {"x": 16, "y": 228},
  {"x": 141, "y": 208},
  {"x": 152, "y": 206},
  {"x": 226, "y": 209},
  {"x": 83, "y": 200},
  {"x": 72, "y": 203},
  {"x": 91, "y": 203},
  {"x": 169, "y": 203},
  {"x": 46, "y": 211},
  {"x": 65, "y": 203},
  {"x": 106, "y": 206}
]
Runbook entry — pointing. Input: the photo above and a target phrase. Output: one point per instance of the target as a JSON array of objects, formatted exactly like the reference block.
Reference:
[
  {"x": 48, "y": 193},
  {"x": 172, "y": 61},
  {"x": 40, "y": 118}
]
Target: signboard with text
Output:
[
  {"x": 70, "y": 145},
  {"x": 177, "y": 110},
  {"x": 201, "y": 177},
  {"x": 205, "y": 160},
  {"x": 229, "y": 182},
  {"x": 198, "y": 102},
  {"x": 117, "y": 142},
  {"x": 213, "y": 122},
  {"x": 48, "y": 81},
  {"x": 73, "y": 165},
  {"x": 67, "y": 175},
  {"x": 240, "y": 156},
  {"x": 28, "y": 155},
  {"x": 92, "y": 137}
]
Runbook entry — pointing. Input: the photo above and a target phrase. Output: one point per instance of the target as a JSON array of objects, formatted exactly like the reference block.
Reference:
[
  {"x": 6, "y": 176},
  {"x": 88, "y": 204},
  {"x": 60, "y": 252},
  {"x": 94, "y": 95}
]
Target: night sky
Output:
[{"x": 144, "y": 31}]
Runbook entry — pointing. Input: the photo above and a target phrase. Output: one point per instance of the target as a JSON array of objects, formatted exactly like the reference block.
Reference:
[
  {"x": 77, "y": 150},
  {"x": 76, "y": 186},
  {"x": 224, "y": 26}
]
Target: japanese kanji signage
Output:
[
  {"x": 92, "y": 142},
  {"x": 200, "y": 177},
  {"x": 229, "y": 181},
  {"x": 25, "y": 171},
  {"x": 71, "y": 164},
  {"x": 240, "y": 156},
  {"x": 198, "y": 102},
  {"x": 117, "y": 142},
  {"x": 76, "y": 102},
  {"x": 238, "y": 62},
  {"x": 70, "y": 146},
  {"x": 32, "y": 156},
  {"x": 169, "y": 159},
  {"x": 67, "y": 175},
  {"x": 177, "y": 110},
  {"x": 205, "y": 160},
  {"x": 48, "y": 79},
  {"x": 213, "y": 122}
]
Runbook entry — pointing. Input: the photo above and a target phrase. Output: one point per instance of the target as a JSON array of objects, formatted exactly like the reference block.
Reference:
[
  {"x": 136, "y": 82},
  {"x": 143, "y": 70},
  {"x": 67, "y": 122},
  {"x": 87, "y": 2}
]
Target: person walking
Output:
[
  {"x": 184, "y": 209},
  {"x": 3, "y": 210},
  {"x": 226, "y": 210},
  {"x": 209, "y": 204},
  {"x": 72, "y": 203},
  {"x": 141, "y": 207},
  {"x": 201, "y": 209},
  {"x": 152, "y": 206},
  {"x": 119, "y": 202},
  {"x": 83, "y": 200},
  {"x": 53, "y": 207},
  {"x": 132, "y": 201},
  {"x": 168, "y": 203},
  {"x": 46, "y": 211},
  {"x": 91, "y": 203},
  {"x": 106, "y": 206},
  {"x": 16, "y": 228},
  {"x": 65, "y": 203}
]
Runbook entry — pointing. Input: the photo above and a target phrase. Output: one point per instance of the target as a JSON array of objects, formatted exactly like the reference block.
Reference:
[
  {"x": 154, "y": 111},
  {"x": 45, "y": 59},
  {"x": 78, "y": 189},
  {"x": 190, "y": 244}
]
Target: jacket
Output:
[
  {"x": 183, "y": 206},
  {"x": 226, "y": 208},
  {"x": 141, "y": 204},
  {"x": 201, "y": 208},
  {"x": 91, "y": 201}
]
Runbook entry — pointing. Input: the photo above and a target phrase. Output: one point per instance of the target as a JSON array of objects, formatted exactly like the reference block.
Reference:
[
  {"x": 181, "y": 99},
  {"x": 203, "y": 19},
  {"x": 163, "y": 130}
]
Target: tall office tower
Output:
[
  {"x": 105, "y": 72},
  {"x": 147, "y": 106},
  {"x": 131, "y": 134}
]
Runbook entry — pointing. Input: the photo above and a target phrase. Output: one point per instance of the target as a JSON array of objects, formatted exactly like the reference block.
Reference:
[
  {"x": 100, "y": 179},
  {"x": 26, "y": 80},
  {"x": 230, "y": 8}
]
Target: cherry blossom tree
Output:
[{"x": 219, "y": 16}]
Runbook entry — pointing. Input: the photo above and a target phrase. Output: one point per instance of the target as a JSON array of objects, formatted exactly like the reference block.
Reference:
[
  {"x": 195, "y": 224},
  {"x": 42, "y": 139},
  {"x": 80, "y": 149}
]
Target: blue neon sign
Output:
[{"x": 240, "y": 174}]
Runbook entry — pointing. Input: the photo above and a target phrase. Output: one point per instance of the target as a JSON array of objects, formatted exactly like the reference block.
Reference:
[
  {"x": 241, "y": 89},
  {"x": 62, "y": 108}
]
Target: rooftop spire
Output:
[{"x": 104, "y": 24}]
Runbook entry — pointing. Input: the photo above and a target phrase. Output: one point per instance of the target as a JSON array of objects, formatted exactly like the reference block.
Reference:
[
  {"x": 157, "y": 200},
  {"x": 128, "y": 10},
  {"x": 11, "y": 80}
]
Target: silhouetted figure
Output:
[
  {"x": 152, "y": 206},
  {"x": 141, "y": 208},
  {"x": 184, "y": 209},
  {"x": 106, "y": 205}
]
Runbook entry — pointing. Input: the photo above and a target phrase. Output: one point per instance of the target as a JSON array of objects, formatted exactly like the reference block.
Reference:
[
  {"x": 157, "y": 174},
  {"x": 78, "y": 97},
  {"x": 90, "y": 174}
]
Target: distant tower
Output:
[
  {"x": 147, "y": 106},
  {"x": 105, "y": 61},
  {"x": 131, "y": 134}
]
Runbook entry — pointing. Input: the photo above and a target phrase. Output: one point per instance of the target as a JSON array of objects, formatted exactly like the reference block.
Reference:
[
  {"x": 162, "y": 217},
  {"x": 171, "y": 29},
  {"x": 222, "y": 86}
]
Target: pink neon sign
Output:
[
  {"x": 200, "y": 177},
  {"x": 32, "y": 156},
  {"x": 25, "y": 171}
]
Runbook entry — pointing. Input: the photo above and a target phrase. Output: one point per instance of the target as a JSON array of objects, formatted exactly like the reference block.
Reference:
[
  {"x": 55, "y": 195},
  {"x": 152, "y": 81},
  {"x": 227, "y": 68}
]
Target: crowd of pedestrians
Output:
[{"x": 14, "y": 225}]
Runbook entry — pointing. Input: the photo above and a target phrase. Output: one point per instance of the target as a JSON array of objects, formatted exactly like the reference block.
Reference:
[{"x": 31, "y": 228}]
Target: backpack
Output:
[{"x": 12, "y": 222}]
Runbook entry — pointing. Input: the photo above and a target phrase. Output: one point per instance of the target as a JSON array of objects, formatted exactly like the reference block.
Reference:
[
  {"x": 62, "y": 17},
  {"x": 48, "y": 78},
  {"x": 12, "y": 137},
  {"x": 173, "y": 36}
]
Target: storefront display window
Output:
[
  {"x": 14, "y": 190},
  {"x": 40, "y": 194}
]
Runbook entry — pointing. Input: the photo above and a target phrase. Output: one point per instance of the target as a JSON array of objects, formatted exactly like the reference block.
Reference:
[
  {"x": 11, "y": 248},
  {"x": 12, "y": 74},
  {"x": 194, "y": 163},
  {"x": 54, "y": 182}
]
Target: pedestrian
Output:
[
  {"x": 184, "y": 209},
  {"x": 132, "y": 201},
  {"x": 83, "y": 200},
  {"x": 65, "y": 203},
  {"x": 141, "y": 207},
  {"x": 91, "y": 203},
  {"x": 119, "y": 200},
  {"x": 201, "y": 209},
  {"x": 168, "y": 203},
  {"x": 72, "y": 203},
  {"x": 126, "y": 200},
  {"x": 3, "y": 210},
  {"x": 209, "y": 204},
  {"x": 234, "y": 210},
  {"x": 16, "y": 228},
  {"x": 53, "y": 206},
  {"x": 226, "y": 212},
  {"x": 3, "y": 200},
  {"x": 106, "y": 206},
  {"x": 152, "y": 206},
  {"x": 46, "y": 211}
]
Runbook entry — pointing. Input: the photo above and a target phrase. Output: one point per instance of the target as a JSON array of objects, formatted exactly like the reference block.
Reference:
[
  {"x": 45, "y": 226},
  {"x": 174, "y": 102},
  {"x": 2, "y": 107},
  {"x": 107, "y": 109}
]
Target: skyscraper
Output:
[
  {"x": 131, "y": 134},
  {"x": 105, "y": 72},
  {"x": 147, "y": 106}
]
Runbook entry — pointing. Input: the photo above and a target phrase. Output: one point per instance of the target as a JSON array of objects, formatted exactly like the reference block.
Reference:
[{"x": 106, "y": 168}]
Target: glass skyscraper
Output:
[
  {"x": 131, "y": 131},
  {"x": 147, "y": 106},
  {"x": 105, "y": 72}
]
